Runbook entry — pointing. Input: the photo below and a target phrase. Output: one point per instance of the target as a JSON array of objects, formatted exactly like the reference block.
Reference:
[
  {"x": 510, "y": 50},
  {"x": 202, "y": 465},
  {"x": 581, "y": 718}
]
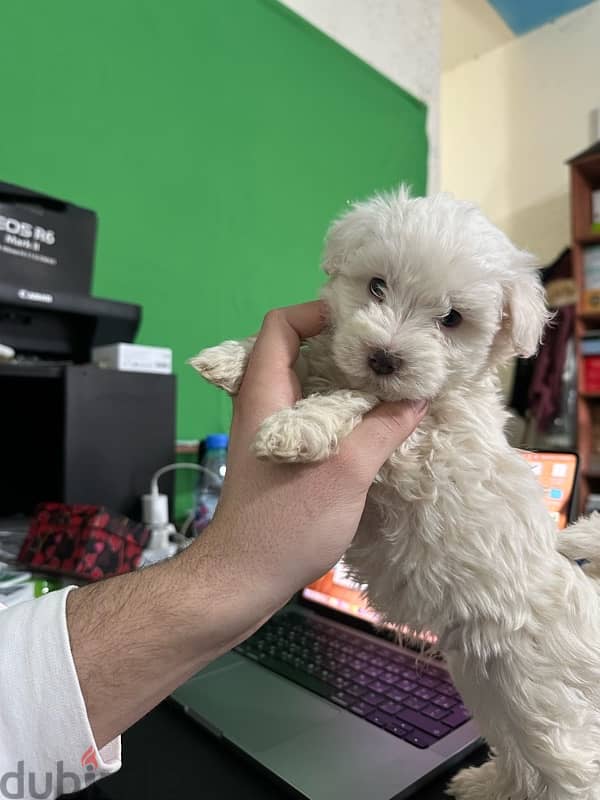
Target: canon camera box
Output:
[{"x": 46, "y": 245}]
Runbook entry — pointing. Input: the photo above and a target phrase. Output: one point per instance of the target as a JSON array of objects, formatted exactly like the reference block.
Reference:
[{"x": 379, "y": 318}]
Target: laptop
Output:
[{"x": 336, "y": 709}]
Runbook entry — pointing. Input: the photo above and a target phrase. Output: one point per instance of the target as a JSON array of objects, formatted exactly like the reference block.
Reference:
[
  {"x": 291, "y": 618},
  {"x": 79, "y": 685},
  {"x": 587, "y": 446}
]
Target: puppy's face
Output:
[{"x": 425, "y": 294}]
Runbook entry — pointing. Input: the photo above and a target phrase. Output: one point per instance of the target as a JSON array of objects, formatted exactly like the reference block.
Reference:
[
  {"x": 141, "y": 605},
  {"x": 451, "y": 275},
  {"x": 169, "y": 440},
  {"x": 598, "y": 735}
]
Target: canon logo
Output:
[
  {"x": 26, "y": 230},
  {"x": 36, "y": 297}
]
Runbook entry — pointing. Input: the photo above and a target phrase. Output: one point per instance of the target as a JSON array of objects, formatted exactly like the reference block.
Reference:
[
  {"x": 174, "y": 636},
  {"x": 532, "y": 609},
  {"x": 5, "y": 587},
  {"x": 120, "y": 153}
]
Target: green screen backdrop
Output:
[{"x": 216, "y": 139}]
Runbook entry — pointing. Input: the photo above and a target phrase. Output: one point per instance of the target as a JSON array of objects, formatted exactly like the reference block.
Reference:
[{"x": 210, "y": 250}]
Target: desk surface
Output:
[{"x": 167, "y": 756}]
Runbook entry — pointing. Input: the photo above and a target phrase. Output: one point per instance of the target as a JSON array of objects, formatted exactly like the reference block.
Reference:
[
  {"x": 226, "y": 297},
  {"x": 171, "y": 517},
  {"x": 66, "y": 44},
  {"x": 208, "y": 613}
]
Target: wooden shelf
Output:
[
  {"x": 588, "y": 167},
  {"x": 589, "y": 316},
  {"x": 186, "y": 447},
  {"x": 585, "y": 178},
  {"x": 590, "y": 238}
]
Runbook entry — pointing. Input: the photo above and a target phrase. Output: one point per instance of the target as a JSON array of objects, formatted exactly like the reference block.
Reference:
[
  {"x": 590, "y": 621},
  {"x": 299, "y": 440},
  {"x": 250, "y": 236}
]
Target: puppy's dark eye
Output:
[
  {"x": 377, "y": 287},
  {"x": 452, "y": 319}
]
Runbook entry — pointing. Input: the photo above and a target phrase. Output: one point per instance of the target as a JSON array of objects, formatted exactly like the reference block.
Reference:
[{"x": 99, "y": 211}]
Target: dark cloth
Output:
[
  {"x": 536, "y": 384},
  {"x": 545, "y": 391}
]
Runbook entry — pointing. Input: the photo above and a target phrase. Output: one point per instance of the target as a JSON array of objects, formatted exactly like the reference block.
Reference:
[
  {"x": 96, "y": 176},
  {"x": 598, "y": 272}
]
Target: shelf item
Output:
[
  {"x": 590, "y": 346},
  {"x": 590, "y": 298},
  {"x": 585, "y": 210},
  {"x": 591, "y": 373},
  {"x": 596, "y": 211}
]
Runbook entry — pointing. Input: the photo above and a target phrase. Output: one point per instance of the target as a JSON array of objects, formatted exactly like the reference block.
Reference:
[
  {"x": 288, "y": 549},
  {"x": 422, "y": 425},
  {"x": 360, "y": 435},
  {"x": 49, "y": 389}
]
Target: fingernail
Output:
[{"x": 419, "y": 406}]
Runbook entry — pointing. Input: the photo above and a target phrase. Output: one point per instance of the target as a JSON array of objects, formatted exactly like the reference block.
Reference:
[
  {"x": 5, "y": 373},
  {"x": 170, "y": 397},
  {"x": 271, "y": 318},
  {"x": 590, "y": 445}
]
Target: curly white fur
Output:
[{"x": 455, "y": 537}]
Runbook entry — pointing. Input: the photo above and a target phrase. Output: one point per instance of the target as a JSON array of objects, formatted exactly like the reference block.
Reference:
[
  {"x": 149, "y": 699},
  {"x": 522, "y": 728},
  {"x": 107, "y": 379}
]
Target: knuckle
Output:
[
  {"x": 274, "y": 316},
  {"x": 387, "y": 426},
  {"x": 392, "y": 425}
]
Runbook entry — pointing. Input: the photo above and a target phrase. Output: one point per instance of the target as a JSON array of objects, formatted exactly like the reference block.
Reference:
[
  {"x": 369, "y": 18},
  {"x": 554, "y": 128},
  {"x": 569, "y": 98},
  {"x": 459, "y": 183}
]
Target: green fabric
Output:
[{"x": 216, "y": 139}]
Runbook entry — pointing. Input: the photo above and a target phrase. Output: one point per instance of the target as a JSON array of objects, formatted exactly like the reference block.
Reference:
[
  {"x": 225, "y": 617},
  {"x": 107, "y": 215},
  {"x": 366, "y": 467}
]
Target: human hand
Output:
[
  {"x": 136, "y": 637},
  {"x": 281, "y": 526}
]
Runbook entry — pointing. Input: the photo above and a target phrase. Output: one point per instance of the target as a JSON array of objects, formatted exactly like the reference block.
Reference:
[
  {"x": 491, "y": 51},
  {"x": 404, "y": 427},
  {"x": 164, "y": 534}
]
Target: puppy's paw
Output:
[
  {"x": 288, "y": 436},
  {"x": 476, "y": 783},
  {"x": 224, "y": 365}
]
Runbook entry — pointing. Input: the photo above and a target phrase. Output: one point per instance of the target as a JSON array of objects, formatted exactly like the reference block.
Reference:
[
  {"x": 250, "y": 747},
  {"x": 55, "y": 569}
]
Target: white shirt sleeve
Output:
[{"x": 46, "y": 743}]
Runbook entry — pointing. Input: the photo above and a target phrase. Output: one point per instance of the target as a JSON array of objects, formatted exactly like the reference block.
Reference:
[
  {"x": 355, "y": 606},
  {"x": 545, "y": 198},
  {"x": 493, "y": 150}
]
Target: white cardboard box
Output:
[{"x": 134, "y": 358}]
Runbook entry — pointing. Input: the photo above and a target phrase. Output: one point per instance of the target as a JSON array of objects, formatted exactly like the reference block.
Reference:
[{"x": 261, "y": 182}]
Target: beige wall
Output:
[
  {"x": 510, "y": 119},
  {"x": 470, "y": 28}
]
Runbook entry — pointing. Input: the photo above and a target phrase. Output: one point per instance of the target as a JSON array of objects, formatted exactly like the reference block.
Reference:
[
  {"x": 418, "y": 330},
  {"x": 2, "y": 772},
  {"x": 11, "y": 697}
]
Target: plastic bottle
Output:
[{"x": 214, "y": 458}]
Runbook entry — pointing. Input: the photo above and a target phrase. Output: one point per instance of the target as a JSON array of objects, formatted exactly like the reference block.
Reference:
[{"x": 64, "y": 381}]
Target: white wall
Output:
[
  {"x": 511, "y": 118},
  {"x": 399, "y": 38}
]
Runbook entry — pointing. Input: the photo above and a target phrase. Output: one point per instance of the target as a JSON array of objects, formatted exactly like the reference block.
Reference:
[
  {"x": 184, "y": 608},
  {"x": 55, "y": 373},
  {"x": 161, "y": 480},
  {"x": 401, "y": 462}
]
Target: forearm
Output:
[{"x": 137, "y": 637}]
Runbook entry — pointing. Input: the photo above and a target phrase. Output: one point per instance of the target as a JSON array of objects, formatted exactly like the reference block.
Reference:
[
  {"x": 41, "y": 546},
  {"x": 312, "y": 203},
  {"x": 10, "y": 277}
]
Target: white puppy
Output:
[{"x": 426, "y": 299}]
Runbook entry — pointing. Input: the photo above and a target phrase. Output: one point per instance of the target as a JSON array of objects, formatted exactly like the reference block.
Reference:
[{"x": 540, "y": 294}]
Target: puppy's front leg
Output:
[
  {"x": 478, "y": 783},
  {"x": 225, "y": 364},
  {"x": 311, "y": 430}
]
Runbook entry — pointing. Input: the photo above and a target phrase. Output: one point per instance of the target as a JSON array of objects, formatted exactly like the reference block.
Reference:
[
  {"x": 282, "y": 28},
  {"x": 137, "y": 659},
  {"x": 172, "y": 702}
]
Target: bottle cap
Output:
[{"x": 217, "y": 441}]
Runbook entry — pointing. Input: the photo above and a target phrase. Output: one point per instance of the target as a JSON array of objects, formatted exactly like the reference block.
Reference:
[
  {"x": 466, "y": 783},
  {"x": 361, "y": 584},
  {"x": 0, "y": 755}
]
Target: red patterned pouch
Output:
[{"x": 88, "y": 542}]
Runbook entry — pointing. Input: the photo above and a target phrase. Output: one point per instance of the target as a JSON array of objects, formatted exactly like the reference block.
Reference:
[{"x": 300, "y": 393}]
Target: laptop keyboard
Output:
[{"x": 409, "y": 699}]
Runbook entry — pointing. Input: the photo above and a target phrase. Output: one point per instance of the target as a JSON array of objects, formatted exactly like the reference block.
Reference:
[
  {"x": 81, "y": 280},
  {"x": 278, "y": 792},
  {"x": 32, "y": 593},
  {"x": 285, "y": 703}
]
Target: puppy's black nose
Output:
[{"x": 383, "y": 363}]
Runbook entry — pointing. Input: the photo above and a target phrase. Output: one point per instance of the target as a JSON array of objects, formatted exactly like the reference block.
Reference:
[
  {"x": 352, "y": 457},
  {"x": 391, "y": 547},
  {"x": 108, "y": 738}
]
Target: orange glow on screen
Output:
[{"x": 556, "y": 473}]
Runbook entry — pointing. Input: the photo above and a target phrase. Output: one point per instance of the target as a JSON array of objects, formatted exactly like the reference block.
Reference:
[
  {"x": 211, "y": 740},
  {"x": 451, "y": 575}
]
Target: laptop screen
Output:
[{"x": 556, "y": 472}]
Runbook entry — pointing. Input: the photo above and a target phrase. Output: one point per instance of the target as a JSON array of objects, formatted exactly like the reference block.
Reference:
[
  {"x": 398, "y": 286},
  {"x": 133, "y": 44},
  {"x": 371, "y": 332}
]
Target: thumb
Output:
[{"x": 384, "y": 429}]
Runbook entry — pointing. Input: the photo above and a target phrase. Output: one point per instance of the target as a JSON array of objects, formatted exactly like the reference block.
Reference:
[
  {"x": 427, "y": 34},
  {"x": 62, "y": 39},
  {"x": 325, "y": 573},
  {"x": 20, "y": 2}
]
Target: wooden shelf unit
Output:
[
  {"x": 593, "y": 238},
  {"x": 585, "y": 178}
]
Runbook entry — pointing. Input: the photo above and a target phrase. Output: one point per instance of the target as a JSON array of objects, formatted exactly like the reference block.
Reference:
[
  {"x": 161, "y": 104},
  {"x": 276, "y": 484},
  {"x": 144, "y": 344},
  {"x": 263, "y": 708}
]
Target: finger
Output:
[
  {"x": 282, "y": 331},
  {"x": 383, "y": 430},
  {"x": 269, "y": 382}
]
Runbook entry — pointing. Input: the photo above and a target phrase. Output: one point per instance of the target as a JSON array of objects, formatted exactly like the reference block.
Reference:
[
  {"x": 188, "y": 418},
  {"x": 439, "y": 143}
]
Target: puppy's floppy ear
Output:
[{"x": 524, "y": 312}]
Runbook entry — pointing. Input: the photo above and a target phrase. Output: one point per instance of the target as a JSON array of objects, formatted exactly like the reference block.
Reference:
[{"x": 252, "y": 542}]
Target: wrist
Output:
[{"x": 224, "y": 590}]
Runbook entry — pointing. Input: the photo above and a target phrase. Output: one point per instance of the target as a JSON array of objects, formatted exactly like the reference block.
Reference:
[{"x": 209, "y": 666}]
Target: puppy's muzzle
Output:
[{"x": 383, "y": 363}]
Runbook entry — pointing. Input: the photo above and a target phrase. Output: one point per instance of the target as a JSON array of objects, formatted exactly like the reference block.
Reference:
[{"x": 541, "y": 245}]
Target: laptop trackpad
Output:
[{"x": 253, "y": 708}]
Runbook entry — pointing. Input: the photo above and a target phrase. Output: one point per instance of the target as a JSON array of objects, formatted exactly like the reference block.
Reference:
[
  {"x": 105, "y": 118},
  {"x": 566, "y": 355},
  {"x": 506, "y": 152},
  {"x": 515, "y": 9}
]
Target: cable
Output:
[
  {"x": 187, "y": 524},
  {"x": 155, "y": 506},
  {"x": 180, "y": 465}
]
